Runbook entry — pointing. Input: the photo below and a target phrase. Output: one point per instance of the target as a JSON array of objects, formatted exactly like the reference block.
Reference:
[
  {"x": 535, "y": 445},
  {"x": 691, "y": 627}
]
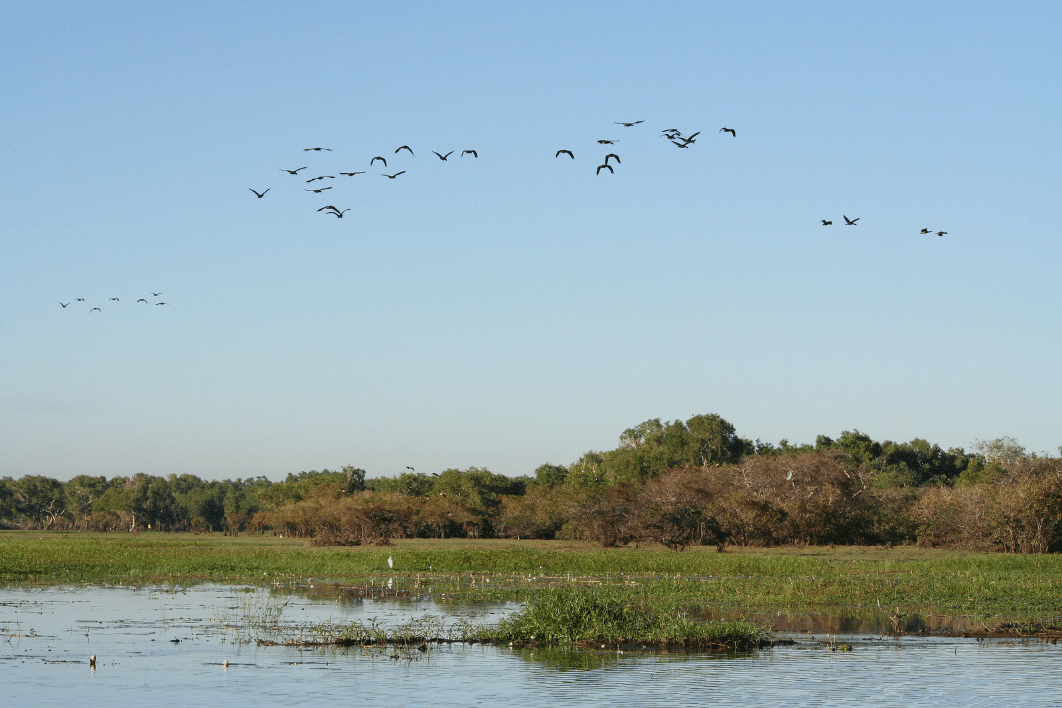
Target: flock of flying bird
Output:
[
  {"x": 673, "y": 135},
  {"x": 852, "y": 222},
  {"x": 336, "y": 211},
  {"x": 113, "y": 299}
]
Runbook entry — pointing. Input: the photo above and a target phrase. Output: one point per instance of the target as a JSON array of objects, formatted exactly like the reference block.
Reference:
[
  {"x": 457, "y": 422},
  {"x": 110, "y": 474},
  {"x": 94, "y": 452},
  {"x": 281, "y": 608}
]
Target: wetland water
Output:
[{"x": 47, "y": 635}]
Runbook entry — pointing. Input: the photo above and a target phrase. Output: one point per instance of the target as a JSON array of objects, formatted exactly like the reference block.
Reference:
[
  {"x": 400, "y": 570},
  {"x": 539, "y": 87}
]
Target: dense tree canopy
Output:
[{"x": 674, "y": 482}]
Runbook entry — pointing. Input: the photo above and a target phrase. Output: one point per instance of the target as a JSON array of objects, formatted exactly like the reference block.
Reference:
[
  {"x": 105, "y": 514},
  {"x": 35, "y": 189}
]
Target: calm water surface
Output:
[{"x": 47, "y": 635}]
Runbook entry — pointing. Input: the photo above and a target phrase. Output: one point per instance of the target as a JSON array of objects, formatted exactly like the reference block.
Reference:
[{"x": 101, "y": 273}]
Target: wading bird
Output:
[
  {"x": 628, "y": 125},
  {"x": 851, "y": 222},
  {"x": 293, "y": 172},
  {"x": 443, "y": 157},
  {"x": 729, "y": 130},
  {"x": 317, "y": 191},
  {"x": 827, "y": 223},
  {"x": 257, "y": 194},
  {"x": 405, "y": 147},
  {"x": 471, "y": 152},
  {"x": 612, "y": 154},
  {"x": 377, "y": 158},
  {"x": 566, "y": 152},
  {"x": 605, "y": 167},
  {"x": 394, "y": 175}
]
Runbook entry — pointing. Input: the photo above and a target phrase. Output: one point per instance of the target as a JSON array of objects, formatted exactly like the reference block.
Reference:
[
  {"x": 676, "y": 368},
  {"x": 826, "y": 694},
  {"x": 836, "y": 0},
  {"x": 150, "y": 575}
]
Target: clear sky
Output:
[{"x": 515, "y": 309}]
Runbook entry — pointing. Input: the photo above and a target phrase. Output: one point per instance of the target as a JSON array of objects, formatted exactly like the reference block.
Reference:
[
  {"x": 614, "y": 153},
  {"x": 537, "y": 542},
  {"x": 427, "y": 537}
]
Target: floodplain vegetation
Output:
[
  {"x": 684, "y": 519},
  {"x": 697, "y": 599}
]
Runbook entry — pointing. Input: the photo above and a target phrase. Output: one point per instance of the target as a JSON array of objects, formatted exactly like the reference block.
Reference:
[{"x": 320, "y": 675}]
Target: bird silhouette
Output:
[
  {"x": 394, "y": 175},
  {"x": 257, "y": 194},
  {"x": 827, "y": 223},
  {"x": 607, "y": 142},
  {"x": 115, "y": 299},
  {"x": 941, "y": 233},
  {"x": 605, "y": 167},
  {"x": 161, "y": 303},
  {"x": 612, "y": 154},
  {"x": 351, "y": 174},
  {"x": 64, "y": 306},
  {"x": 80, "y": 299},
  {"x": 321, "y": 177},
  {"x": 628, "y": 125},
  {"x": 566, "y": 152},
  {"x": 681, "y": 145},
  {"x": 377, "y": 158},
  {"x": 95, "y": 309},
  {"x": 317, "y": 149},
  {"x": 156, "y": 294},
  {"x": 317, "y": 191},
  {"x": 925, "y": 231},
  {"x": 335, "y": 212},
  {"x": 443, "y": 157},
  {"x": 293, "y": 172},
  {"x": 405, "y": 147},
  {"x": 142, "y": 300},
  {"x": 676, "y": 131},
  {"x": 851, "y": 222},
  {"x": 472, "y": 152},
  {"x": 729, "y": 130},
  {"x": 410, "y": 468}
]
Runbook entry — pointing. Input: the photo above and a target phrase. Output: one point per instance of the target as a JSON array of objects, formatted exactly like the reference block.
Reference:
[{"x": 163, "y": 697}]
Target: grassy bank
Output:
[{"x": 900, "y": 581}]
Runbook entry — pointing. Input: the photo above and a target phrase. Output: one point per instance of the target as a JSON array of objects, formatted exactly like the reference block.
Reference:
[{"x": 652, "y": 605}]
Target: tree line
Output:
[{"x": 678, "y": 483}]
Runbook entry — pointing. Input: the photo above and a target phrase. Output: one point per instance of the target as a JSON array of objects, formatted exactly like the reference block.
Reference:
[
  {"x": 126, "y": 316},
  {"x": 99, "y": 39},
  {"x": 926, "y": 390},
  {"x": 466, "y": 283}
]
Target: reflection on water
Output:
[{"x": 169, "y": 647}]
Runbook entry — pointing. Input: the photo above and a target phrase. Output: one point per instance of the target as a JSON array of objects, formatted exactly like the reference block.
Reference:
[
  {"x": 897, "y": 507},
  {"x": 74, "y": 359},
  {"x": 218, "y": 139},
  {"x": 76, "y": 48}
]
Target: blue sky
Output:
[{"x": 517, "y": 309}]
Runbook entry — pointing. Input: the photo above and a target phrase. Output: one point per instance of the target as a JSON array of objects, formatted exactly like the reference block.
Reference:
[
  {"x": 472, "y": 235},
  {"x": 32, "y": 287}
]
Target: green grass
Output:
[
  {"x": 591, "y": 616},
  {"x": 996, "y": 587}
]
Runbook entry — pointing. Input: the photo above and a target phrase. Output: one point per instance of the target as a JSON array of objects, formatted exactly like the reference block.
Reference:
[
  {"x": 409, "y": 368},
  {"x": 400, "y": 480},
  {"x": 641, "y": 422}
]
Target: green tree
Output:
[
  {"x": 81, "y": 492},
  {"x": 551, "y": 475},
  {"x": 40, "y": 500}
]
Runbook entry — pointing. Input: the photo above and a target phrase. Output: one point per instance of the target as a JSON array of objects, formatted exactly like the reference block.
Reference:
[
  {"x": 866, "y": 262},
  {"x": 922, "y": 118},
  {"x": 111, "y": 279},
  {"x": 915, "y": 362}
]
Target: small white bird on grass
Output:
[{"x": 390, "y": 562}]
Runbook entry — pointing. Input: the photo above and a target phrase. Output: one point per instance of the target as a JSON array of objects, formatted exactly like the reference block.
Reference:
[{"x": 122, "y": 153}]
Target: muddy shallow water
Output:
[{"x": 169, "y": 647}]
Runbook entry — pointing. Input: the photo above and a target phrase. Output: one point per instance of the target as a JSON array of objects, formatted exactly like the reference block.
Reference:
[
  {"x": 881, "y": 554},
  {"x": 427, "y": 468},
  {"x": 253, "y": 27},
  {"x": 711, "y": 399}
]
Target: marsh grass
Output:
[
  {"x": 582, "y": 616},
  {"x": 995, "y": 587}
]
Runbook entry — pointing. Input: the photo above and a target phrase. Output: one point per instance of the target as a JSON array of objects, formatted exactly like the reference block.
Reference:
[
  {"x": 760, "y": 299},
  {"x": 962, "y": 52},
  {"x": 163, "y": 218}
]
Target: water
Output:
[{"x": 47, "y": 635}]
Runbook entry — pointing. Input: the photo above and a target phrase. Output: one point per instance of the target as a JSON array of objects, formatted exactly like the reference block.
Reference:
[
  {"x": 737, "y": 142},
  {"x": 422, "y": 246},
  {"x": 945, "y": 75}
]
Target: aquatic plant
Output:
[{"x": 597, "y": 615}]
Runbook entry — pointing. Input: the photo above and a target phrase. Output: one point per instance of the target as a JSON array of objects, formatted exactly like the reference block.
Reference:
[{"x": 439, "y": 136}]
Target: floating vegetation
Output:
[
  {"x": 580, "y": 617},
  {"x": 592, "y": 616}
]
